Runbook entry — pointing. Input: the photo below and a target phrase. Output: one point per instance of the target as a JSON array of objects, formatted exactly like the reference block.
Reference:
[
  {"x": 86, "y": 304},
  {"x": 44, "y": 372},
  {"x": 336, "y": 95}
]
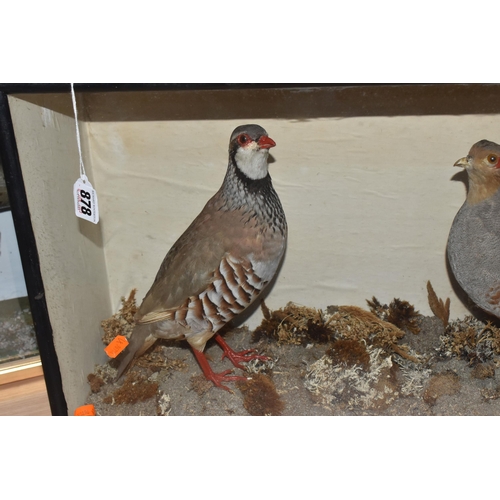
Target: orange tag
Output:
[
  {"x": 85, "y": 411},
  {"x": 116, "y": 346}
]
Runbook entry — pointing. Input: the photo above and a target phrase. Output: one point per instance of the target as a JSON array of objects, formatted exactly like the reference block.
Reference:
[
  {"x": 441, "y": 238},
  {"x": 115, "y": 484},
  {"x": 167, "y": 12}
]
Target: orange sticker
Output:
[
  {"x": 116, "y": 346},
  {"x": 85, "y": 411}
]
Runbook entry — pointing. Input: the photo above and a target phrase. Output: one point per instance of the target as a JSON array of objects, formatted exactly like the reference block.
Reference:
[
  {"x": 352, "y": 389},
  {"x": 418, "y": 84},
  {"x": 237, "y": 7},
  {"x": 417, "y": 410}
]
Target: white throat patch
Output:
[{"x": 252, "y": 161}]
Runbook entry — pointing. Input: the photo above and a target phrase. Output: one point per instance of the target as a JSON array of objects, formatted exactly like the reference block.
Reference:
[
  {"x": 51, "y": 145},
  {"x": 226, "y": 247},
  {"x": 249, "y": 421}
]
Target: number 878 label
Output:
[{"x": 85, "y": 201}]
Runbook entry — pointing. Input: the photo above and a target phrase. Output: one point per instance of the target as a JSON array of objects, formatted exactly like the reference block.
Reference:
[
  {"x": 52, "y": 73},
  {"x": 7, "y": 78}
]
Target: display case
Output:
[{"x": 364, "y": 172}]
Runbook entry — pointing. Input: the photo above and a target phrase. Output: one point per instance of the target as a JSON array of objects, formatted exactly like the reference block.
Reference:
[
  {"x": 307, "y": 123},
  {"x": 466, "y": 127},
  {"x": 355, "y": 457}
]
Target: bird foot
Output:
[
  {"x": 218, "y": 378},
  {"x": 237, "y": 357},
  {"x": 215, "y": 378}
]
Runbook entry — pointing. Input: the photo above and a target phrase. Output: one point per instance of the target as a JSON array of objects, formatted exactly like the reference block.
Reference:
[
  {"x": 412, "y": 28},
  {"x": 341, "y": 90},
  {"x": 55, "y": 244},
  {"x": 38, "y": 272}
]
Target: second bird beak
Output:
[{"x": 463, "y": 162}]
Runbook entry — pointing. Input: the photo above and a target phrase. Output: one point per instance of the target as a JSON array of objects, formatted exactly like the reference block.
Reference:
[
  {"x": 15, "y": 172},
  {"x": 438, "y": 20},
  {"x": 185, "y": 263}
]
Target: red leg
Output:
[
  {"x": 237, "y": 357},
  {"x": 216, "y": 378}
]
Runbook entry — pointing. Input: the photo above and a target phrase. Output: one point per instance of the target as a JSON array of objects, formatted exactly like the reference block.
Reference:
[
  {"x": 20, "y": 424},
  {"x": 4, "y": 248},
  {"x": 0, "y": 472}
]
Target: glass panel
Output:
[
  {"x": 4, "y": 199},
  {"x": 17, "y": 334}
]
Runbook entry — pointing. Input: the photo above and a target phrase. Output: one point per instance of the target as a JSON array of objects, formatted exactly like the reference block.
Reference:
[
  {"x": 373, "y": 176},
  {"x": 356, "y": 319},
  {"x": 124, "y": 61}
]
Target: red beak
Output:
[{"x": 266, "y": 142}]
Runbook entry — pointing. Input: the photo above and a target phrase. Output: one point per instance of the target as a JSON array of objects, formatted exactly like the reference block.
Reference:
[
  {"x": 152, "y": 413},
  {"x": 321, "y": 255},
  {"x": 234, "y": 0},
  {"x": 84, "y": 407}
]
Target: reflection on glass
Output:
[{"x": 17, "y": 335}]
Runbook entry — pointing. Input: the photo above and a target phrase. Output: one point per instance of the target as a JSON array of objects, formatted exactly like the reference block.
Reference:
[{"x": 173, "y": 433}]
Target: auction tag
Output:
[
  {"x": 116, "y": 346},
  {"x": 85, "y": 411},
  {"x": 86, "y": 206}
]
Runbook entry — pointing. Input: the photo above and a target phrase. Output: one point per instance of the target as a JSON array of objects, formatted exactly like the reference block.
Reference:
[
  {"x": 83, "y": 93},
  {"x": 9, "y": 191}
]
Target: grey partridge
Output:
[
  {"x": 474, "y": 240},
  {"x": 221, "y": 263}
]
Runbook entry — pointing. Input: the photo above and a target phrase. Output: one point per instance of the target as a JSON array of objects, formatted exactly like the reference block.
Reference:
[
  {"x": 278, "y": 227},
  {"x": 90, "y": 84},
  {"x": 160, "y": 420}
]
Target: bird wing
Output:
[{"x": 191, "y": 264}]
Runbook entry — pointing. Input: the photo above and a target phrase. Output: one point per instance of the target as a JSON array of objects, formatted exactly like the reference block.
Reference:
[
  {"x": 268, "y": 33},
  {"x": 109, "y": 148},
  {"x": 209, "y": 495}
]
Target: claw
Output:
[
  {"x": 238, "y": 356},
  {"x": 215, "y": 378},
  {"x": 235, "y": 358}
]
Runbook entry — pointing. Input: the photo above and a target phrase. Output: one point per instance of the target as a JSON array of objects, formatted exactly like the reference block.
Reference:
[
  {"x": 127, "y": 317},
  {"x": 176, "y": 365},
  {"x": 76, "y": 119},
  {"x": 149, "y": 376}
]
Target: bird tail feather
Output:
[{"x": 140, "y": 341}]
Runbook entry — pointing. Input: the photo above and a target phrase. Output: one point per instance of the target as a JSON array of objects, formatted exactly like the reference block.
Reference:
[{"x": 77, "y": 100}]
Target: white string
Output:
[{"x": 82, "y": 168}]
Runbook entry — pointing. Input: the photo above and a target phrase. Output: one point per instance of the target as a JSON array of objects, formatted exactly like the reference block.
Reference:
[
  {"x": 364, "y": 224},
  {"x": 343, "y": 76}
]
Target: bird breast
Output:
[{"x": 473, "y": 248}]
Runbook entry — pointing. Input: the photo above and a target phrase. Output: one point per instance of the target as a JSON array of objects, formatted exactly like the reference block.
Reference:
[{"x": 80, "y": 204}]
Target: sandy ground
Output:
[{"x": 342, "y": 361}]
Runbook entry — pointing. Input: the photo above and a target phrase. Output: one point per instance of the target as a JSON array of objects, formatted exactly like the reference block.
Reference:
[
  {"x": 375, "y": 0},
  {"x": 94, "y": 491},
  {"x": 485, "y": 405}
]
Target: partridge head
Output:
[
  {"x": 221, "y": 263},
  {"x": 474, "y": 239}
]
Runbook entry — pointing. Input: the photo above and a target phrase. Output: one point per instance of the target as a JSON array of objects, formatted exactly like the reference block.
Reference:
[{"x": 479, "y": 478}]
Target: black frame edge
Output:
[
  {"x": 34, "y": 88},
  {"x": 30, "y": 259}
]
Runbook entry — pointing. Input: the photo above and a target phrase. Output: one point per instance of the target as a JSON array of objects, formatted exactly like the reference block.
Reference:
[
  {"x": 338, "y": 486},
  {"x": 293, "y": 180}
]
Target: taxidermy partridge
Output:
[
  {"x": 474, "y": 240},
  {"x": 221, "y": 263}
]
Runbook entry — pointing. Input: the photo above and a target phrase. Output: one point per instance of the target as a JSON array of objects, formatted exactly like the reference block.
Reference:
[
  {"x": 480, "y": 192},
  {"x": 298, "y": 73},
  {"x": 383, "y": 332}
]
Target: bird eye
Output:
[
  {"x": 492, "y": 158},
  {"x": 243, "y": 139}
]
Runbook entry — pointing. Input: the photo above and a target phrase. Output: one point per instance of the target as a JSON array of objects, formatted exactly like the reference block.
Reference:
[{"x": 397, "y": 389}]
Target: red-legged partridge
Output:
[
  {"x": 221, "y": 263},
  {"x": 474, "y": 240}
]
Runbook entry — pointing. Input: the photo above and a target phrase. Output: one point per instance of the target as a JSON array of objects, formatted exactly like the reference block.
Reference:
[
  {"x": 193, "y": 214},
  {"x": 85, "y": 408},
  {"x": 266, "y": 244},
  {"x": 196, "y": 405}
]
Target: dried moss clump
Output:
[
  {"x": 260, "y": 396},
  {"x": 349, "y": 353},
  {"x": 442, "y": 384},
  {"x": 472, "y": 340},
  {"x": 491, "y": 394},
  {"x": 354, "y": 323},
  {"x": 293, "y": 324},
  {"x": 95, "y": 382},
  {"x": 352, "y": 387},
  {"x": 135, "y": 388},
  {"x": 399, "y": 312},
  {"x": 121, "y": 323},
  {"x": 155, "y": 360},
  {"x": 200, "y": 384},
  {"x": 483, "y": 370}
]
